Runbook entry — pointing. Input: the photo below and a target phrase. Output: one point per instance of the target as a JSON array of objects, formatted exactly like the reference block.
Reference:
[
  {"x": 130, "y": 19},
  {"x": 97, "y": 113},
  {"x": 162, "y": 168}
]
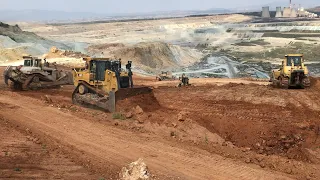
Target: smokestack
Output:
[
  {"x": 265, "y": 12},
  {"x": 278, "y": 12}
]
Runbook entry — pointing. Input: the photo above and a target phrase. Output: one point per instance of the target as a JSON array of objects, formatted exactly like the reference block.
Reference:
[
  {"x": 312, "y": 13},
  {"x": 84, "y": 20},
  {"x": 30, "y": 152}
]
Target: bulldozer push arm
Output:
[{"x": 89, "y": 96}]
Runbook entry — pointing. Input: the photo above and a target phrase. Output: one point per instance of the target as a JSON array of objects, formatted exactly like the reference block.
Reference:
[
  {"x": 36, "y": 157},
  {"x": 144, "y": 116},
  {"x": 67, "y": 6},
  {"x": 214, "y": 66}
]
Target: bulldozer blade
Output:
[
  {"x": 6, "y": 80},
  {"x": 94, "y": 101},
  {"x": 122, "y": 94},
  {"x": 142, "y": 97},
  {"x": 66, "y": 78},
  {"x": 70, "y": 78},
  {"x": 5, "y": 75},
  {"x": 106, "y": 101}
]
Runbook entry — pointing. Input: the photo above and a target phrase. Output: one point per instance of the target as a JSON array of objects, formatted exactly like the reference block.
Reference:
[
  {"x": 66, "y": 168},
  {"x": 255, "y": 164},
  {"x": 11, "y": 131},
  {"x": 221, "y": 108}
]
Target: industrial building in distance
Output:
[{"x": 288, "y": 12}]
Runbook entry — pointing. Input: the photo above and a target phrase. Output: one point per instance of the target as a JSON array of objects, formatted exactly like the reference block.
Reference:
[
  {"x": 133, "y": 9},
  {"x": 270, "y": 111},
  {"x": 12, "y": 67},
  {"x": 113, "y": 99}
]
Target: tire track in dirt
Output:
[
  {"x": 107, "y": 149},
  {"x": 22, "y": 158}
]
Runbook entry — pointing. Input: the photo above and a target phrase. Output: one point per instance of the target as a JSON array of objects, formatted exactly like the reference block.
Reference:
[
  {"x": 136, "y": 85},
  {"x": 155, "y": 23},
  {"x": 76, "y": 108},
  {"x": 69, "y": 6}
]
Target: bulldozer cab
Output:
[
  {"x": 31, "y": 61},
  {"x": 98, "y": 68},
  {"x": 294, "y": 60},
  {"x": 103, "y": 71},
  {"x": 164, "y": 73}
]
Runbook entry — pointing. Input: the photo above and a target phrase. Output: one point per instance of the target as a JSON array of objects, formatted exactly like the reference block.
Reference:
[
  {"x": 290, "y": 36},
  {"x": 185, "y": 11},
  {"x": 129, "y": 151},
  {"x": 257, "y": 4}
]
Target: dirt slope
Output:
[
  {"x": 15, "y": 43},
  {"x": 23, "y": 157},
  {"x": 232, "y": 131},
  {"x": 150, "y": 56},
  {"x": 108, "y": 148},
  {"x": 19, "y": 36}
]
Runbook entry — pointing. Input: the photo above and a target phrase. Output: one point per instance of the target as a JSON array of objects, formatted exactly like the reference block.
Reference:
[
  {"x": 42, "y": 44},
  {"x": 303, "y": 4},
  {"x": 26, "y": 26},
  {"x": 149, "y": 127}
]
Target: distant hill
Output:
[
  {"x": 19, "y": 36},
  {"x": 315, "y": 10},
  {"x": 43, "y": 15},
  {"x": 62, "y": 16},
  {"x": 14, "y": 43}
]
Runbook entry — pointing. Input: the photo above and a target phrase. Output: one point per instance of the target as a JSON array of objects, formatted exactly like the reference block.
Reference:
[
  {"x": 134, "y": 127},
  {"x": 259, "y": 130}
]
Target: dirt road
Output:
[
  {"x": 23, "y": 157},
  {"x": 109, "y": 148},
  {"x": 208, "y": 131}
]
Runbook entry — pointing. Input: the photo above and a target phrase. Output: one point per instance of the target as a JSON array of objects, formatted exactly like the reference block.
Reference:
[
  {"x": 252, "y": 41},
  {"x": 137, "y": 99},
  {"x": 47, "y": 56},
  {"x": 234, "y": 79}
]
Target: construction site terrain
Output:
[{"x": 214, "y": 129}]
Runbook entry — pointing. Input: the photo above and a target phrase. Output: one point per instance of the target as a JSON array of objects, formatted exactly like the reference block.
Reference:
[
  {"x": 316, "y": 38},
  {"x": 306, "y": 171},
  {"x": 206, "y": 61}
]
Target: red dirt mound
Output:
[{"x": 147, "y": 102}]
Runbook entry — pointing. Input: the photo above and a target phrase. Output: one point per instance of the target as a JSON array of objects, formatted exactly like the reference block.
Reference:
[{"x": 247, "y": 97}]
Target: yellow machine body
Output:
[{"x": 292, "y": 73}]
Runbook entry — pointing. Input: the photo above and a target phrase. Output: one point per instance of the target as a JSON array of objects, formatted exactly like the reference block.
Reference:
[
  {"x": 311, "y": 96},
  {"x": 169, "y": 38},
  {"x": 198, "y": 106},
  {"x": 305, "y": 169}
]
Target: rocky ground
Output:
[
  {"x": 240, "y": 129},
  {"x": 175, "y": 44},
  {"x": 229, "y": 128}
]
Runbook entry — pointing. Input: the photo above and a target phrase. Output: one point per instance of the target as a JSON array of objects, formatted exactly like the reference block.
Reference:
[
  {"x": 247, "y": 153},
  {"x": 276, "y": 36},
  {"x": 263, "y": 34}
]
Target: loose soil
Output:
[{"x": 212, "y": 130}]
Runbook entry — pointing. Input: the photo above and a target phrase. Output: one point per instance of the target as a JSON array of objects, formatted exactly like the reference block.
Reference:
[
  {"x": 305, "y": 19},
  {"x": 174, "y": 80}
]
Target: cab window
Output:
[
  {"x": 296, "y": 60},
  {"x": 36, "y": 63},
  {"x": 28, "y": 63}
]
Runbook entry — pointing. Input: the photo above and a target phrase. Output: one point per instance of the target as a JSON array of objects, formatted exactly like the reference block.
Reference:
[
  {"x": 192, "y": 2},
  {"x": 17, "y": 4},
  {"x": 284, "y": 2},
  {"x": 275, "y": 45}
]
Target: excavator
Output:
[
  {"x": 292, "y": 73},
  {"x": 103, "y": 82},
  {"x": 35, "y": 73}
]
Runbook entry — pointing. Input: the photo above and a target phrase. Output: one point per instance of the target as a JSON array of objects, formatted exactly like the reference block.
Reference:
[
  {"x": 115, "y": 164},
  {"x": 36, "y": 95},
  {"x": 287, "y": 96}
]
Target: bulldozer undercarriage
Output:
[
  {"x": 91, "y": 97},
  {"x": 296, "y": 81}
]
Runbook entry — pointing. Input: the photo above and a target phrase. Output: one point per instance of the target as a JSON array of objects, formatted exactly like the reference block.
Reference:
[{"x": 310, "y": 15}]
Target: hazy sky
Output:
[{"x": 130, "y": 6}]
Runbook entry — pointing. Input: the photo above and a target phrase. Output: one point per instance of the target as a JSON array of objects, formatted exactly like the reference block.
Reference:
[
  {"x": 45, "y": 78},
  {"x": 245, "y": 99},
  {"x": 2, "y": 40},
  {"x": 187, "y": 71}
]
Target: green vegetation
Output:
[
  {"x": 304, "y": 31},
  {"x": 305, "y": 39},
  {"x": 229, "y": 30},
  {"x": 206, "y": 139},
  {"x": 259, "y": 42},
  {"x": 17, "y": 169},
  {"x": 44, "y": 146},
  {"x": 118, "y": 116},
  {"x": 201, "y": 46},
  {"x": 311, "y": 52},
  {"x": 73, "y": 109},
  {"x": 172, "y": 134},
  {"x": 290, "y": 35}
]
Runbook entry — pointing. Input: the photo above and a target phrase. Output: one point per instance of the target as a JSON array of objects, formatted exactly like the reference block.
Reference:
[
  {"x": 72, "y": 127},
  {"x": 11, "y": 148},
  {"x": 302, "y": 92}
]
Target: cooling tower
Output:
[
  {"x": 278, "y": 12},
  {"x": 302, "y": 13},
  {"x": 293, "y": 13},
  {"x": 265, "y": 12},
  {"x": 286, "y": 12}
]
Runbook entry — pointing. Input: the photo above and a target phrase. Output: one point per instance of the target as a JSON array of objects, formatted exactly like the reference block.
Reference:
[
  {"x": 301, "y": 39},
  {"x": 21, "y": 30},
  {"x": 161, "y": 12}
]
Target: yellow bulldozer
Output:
[
  {"x": 292, "y": 73},
  {"x": 103, "y": 82}
]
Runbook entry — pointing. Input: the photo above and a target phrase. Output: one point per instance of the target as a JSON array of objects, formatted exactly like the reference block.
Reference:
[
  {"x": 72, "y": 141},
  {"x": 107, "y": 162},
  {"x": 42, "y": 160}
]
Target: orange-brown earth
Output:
[{"x": 212, "y": 130}]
